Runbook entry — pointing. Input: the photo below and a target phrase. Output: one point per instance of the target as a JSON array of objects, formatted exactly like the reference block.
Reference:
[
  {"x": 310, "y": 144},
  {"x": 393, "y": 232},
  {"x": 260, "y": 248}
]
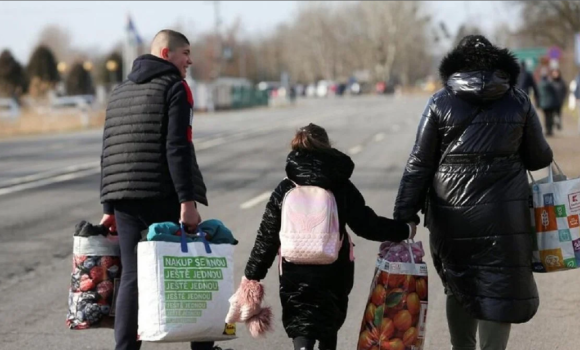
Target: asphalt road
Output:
[{"x": 49, "y": 184}]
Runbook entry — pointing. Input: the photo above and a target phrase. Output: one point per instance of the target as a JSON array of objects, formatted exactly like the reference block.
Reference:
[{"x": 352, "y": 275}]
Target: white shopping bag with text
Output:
[{"x": 184, "y": 290}]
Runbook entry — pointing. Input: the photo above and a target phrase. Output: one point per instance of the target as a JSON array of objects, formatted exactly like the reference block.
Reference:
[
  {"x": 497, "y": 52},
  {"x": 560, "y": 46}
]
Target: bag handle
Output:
[
  {"x": 201, "y": 234},
  {"x": 409, "y": 241},
  {"x": 295, "y": 184},
  {"x": 558, "y": 167},
  {"x": 550, "y": 173}
]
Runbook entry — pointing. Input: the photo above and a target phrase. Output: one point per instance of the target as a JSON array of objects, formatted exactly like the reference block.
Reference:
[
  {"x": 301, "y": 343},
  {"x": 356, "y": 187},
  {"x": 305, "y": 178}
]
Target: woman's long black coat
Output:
[{"x": 478, "y": 199}]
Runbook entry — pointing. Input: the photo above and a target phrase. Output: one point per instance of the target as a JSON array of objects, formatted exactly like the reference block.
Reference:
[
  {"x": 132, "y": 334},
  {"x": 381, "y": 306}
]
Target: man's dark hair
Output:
[{"x": 170, "y": 39}]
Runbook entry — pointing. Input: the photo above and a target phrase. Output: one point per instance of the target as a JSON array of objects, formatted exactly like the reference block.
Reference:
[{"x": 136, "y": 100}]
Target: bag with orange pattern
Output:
[{"x": 396, "y": 312}]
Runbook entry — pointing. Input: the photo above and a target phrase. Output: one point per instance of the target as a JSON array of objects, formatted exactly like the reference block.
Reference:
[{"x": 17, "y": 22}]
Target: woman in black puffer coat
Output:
[
  {"x": 315, "y": 297},
  {"x": 477, "y": 207}
]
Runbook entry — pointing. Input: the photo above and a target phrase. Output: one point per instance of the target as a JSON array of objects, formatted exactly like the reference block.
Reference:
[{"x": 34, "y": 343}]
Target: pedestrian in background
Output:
[
  {"x": 527, "y": 83},
  {"x": 549, "y": 100},
  {"x": 561, "y": 89}
]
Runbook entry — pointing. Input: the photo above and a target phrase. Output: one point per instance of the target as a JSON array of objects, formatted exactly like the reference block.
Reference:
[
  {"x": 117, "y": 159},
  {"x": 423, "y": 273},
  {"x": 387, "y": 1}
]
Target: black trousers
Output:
[
  {"x": 132, "y": 218},
  {"x": 305, "y": 343},
  {"x": 549, "y": 120}
]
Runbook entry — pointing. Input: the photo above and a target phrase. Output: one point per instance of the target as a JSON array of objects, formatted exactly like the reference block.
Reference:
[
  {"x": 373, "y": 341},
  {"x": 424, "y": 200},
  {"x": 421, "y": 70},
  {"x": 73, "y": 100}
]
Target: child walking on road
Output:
[{"x": 314, "y": 295}]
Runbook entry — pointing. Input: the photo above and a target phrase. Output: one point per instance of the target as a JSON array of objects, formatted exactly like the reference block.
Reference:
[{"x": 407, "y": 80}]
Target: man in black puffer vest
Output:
[{"x": 149, "y": 171}]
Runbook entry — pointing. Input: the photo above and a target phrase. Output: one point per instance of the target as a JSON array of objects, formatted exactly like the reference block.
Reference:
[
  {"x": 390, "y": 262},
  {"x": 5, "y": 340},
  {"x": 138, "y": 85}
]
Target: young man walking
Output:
[{"x": 149, "y": 171}]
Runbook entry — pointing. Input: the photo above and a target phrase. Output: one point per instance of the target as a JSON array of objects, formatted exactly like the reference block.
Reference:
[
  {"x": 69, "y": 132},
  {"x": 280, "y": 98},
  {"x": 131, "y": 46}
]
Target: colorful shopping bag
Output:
[
  {"x": 396, "y": 313},
  {"x": 95, "y": 278},
  {"x": 555, "y": 206}
]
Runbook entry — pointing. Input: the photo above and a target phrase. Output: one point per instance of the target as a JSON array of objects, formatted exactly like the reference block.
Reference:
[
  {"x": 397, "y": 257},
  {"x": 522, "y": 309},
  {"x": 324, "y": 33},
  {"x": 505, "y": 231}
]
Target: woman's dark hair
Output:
[{"x": 311, "y": 138}]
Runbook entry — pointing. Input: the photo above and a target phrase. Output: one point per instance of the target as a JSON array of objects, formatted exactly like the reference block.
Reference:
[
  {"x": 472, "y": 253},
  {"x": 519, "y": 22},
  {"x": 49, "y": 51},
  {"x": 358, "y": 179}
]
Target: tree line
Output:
[
  {"x": 53, "y": 61},
  {"x": 373, "y": 41},
  {"x": 325, "y": 41},
  {"x": 385, "y": 40},
  {"x": 41, "y": 74}
]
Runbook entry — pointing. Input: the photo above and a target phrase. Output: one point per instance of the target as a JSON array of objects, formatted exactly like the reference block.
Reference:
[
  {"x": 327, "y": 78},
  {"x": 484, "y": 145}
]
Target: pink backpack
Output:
[{"x": 310, "y": 230}]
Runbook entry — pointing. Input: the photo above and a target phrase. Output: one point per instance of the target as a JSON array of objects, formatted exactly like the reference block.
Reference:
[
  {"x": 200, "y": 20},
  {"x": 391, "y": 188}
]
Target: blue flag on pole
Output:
[
  {"x": 577, "y": 48},
  {"x": 131, "y": 47},
  {"x": 132, "y": 33}
]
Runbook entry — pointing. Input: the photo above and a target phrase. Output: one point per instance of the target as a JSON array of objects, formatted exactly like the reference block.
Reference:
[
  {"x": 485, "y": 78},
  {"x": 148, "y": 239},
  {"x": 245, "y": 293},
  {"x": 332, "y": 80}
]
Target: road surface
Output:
[{"x": 48, "y": 184}]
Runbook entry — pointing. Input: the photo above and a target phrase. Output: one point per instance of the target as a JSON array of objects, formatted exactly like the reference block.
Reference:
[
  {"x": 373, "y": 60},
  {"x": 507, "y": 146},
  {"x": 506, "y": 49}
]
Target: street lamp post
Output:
[{"x": 217, "y": 57}]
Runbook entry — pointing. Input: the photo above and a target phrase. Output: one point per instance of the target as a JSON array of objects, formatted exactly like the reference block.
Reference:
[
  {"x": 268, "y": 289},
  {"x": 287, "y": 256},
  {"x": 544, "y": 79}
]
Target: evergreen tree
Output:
[
  {"x": 79, "y": 81},
  {"x": 12, "y": 76}
]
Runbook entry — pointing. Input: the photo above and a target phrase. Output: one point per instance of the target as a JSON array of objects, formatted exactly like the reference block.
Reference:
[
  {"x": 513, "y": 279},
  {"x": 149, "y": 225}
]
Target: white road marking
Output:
[
  {"x": 355, "y": 150},
  {"x": 50, "y": 181},
  {"x": 210, "y": 143},
  {"x": 242, "y": 135},
  {"x": 256, "y": 200},
  {"x": 380, "y": 137},
  {"x": 49, "y": 174},
  {"x": 88, "y": 169}
]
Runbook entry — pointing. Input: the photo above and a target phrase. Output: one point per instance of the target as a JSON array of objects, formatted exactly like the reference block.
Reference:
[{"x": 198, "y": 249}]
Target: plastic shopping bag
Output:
[
  {"x": 396, "y": 313},
  {"x": 555, "y": 206},
  {"x": 184, "y": 290},
  {"x": 94, "y": 279}
]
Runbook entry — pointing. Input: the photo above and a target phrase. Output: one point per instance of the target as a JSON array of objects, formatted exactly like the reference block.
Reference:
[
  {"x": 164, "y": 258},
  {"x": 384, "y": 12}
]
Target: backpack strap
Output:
[
  {"x": 280, "y": 261},
  {"x": 280, "y": 249},
  {"x": 295, "y": 184}
]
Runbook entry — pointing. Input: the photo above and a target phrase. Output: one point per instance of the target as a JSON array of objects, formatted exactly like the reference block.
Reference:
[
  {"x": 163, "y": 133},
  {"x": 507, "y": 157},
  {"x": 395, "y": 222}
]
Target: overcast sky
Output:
[{"x": 100, "y": 24}]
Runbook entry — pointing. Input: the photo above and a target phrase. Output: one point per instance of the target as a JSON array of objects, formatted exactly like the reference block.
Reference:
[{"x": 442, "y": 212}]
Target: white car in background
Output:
[
  {"x": 311, "y": 90},
  {"x": 324, "y": 88}
]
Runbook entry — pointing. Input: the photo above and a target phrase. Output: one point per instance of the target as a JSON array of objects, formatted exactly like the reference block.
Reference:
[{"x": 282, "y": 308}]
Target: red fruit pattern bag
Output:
[
  {"x": 94, "y": 278},
  {"x": 396, "y": 312}
]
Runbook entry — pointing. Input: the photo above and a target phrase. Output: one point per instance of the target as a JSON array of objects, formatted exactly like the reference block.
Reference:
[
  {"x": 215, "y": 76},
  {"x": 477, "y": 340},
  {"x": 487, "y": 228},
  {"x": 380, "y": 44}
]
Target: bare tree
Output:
[
  {"x": 413, "y": 61},
  {"x": 503, "y": 36},
  {"x": 312, "y": 40},
  {"x": 550, "y": 22},
  {"x": 57, "y": 40},
  {"x": 465, "y": 30},
  {"x": 390, "y": 32},
  {"x": 328, "y": 41}
]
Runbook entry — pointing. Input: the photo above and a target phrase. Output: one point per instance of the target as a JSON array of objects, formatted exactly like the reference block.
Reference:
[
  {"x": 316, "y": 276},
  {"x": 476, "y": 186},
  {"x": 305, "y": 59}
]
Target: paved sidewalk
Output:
[{"x": 566, "y": 143}]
